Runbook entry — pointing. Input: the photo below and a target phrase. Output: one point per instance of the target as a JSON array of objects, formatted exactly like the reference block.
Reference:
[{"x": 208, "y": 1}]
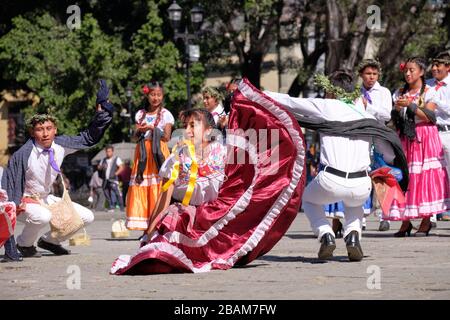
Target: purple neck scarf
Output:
[
  {"x": 52, "y": 162},
  {"x": 366, "y": 94}
]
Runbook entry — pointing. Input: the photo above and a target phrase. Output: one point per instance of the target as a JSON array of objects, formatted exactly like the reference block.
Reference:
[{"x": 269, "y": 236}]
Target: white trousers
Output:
[
  {"x": 445, "y": 139},
  {"x": 35, "y": 217},
  {"x": 328, "y": 188}
]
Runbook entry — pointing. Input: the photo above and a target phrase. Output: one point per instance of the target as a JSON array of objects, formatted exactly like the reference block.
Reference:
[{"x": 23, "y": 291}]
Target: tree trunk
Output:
[{"x": 251, "y": 68}]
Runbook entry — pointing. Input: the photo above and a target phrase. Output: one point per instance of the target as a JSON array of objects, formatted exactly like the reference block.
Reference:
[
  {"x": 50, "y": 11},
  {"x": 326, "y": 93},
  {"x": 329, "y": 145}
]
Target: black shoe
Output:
[
  {"x": 57, "y": 249},
  {"x": 354, "y": 249},
  {"x": 11, "y": 252},
  {"x": 424, "y": 233},
  {"x": 29, "y": 252},
  {"x": 384, "y": 226},
  {"x": 402, "y": 234},
  {"x": 327, "y": 247},
  {"x": 338, "y": 228}
]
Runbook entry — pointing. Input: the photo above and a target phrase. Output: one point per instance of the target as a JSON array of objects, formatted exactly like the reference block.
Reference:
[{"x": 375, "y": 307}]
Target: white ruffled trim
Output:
[
  {"x": 424, "y": 208},
  {"x": 137, "y": 223},
  {"x": 428, "y": 164}
]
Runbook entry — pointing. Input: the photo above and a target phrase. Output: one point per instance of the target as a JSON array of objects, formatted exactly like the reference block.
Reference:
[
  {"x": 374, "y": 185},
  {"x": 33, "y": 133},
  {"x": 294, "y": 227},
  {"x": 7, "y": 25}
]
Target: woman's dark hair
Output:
[
  {"x": 200, "y": 114},
  {"x": 421, "y": 62},
  {"x": 407, "y": 126},
  {"x": 342, "y": 79}
]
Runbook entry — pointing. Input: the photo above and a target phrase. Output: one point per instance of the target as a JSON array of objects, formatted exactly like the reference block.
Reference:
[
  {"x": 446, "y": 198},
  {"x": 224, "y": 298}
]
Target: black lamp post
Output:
[{"x": 191, "y": 52}]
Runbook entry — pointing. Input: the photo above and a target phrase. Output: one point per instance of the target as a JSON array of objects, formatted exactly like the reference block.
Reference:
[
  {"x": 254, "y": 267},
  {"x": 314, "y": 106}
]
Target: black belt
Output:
[
  {"x": 343, "y": 174},
  {"x": 444, "y": 127}
]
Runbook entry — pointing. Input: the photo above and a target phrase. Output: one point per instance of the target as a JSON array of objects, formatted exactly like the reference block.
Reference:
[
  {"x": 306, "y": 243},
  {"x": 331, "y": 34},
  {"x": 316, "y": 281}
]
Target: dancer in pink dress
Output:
[{"x": 428, "y": 191}]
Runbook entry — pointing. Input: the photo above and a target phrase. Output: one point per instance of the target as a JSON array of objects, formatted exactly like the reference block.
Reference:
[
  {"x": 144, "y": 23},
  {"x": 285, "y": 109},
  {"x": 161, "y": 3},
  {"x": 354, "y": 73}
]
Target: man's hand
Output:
[
  {"x": 102, "y": 101},
  {"x": 102, "y": 93}
]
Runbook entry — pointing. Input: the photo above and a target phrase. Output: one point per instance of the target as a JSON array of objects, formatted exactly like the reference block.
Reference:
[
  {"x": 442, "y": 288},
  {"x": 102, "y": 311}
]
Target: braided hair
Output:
[{"x": 407, "y": 126}]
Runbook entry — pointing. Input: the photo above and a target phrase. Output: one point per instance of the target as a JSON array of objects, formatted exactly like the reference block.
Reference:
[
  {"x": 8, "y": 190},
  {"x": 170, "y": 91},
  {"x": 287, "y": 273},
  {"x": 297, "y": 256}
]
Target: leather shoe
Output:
[
  {"x": 354, "y": 249},
  {"x": 29, "y": 252},
  {"x": 384, "y": 226},
  {"x": 327, "y": 247},
  {"x": 57, "y": 249}
]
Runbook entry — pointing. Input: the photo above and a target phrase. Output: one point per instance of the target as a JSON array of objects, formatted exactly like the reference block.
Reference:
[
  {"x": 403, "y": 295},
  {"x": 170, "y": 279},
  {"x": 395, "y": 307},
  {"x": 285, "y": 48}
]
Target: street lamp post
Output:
[{"x": 191, "y": 51}]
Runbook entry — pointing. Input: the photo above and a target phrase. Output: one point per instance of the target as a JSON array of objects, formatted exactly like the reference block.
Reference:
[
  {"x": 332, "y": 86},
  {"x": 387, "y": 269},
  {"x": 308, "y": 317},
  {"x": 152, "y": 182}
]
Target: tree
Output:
[
  {"x": 251, "y": 27},
  {"x": 40, "y": 54},
  {"x": 62, "y": 66},
  {"x": 409, "y": 27}
]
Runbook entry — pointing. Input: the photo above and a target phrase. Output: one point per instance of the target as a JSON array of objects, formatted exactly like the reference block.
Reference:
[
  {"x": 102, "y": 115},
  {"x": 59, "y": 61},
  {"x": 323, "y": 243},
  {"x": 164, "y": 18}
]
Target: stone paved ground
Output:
[{"x": 409, "y": 268}]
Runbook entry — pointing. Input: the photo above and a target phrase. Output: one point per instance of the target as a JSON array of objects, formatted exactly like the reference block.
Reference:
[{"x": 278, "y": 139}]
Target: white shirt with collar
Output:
[
  {"x": 381, "y": 105},
  {"x": 219, "y": 111},
  {"x": 342, "y": 153},
  {"x": 39, "y": 175},
  {"x": 442, "y": 100}
]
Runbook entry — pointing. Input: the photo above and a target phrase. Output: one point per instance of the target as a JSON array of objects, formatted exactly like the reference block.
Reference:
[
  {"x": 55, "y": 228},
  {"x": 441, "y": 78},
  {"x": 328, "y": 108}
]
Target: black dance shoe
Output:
[
  {"x": 354, "y": 249},
  {"x": 402, "y": 234},
  {"x": 327, "y": 247},
  {"x": 29, "y": 252},
  {"x": 338, "y": 228},
  {"x": 57, "y": 249}
]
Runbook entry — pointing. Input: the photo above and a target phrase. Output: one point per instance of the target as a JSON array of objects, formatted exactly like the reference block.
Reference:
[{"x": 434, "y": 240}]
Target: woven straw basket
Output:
[
  {"x": 80, "y": 239},
  {"x": 119, "y": 230},
  {"x": 65, "y": 221}
]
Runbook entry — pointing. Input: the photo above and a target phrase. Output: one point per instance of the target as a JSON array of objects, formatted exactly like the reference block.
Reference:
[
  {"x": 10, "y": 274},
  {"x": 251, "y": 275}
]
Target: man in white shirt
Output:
[
  {"x": 212, "y": 102},
  {"x": 33, "y": 169},
  {"x": 377, "y": 101},
  {"x": 441, "y": 83},
  {"x": 110, "y": 168},
  {"x": 346, "y": 161}
]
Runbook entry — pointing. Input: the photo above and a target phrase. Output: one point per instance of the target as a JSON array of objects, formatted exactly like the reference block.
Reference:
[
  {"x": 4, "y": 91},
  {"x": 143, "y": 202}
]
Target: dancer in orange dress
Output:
[{"x": 154, "y": 127}]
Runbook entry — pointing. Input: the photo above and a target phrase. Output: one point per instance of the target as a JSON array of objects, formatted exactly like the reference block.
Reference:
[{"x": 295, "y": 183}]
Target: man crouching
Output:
[{"x": 34, "y": 168}]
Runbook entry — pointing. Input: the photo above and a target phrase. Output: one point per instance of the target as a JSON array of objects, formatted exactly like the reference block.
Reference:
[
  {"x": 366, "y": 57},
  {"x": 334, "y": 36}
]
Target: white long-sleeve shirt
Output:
[
  {"x": 342, "y": 153},
  {"x": 39, "y": 175},
  {"x": 442, "y": 100},
  {"x": 381, "y": 105}
]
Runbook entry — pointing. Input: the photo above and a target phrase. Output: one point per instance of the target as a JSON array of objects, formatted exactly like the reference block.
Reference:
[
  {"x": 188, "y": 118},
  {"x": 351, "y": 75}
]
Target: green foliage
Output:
[
  {"x": 62, "y": 66},
  {"x": 40, "y": 54},
  {"x": 324, "y": 83}
]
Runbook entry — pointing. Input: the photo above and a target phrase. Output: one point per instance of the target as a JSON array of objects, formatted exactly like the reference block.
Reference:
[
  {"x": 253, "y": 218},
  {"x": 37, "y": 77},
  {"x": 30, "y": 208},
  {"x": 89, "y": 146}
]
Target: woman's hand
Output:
[
  {"x": 144, "y": 127},
  {"x": 401, "y": 102}
]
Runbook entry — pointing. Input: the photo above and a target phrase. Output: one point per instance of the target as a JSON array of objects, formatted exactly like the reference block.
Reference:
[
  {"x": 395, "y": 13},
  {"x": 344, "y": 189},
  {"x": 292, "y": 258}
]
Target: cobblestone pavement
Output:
[{"x": 393, "y": 268}]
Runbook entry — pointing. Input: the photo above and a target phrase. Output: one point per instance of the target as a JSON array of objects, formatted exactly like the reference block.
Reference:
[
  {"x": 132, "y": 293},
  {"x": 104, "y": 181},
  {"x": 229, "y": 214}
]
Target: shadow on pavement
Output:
[{"x": 301, "y": 236}]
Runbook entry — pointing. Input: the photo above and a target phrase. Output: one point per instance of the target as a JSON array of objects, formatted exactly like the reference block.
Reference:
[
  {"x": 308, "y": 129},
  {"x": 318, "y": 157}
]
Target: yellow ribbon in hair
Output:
[{"x": 176, "y": 171}]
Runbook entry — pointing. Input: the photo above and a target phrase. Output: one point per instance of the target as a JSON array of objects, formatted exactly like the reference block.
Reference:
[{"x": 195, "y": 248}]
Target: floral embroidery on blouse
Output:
[{"x": 208, "y": 168}]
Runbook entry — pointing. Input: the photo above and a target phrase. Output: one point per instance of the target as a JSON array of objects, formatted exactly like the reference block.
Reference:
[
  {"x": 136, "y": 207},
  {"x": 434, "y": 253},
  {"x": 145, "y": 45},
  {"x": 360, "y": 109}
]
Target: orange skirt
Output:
[{"x": 141, "y": 198}]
